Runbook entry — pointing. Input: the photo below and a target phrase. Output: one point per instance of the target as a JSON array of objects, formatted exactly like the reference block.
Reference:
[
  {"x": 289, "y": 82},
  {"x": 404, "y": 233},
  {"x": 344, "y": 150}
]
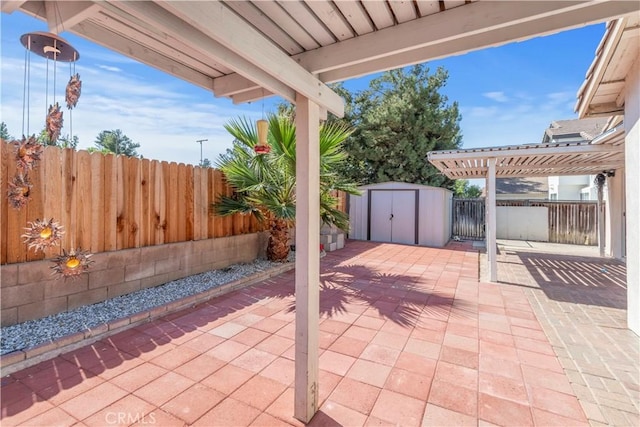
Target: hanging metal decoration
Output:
[
  {"x": 19, "y": 191},
  {"x": 41, "y": 234},
  {"x": 72, "y": 264},
  {"x": 72, "y": 93},
  {"x": 28, "y": 152},
  {"x": 262, "y": 147},
  {"x": 54, "y": 122}
]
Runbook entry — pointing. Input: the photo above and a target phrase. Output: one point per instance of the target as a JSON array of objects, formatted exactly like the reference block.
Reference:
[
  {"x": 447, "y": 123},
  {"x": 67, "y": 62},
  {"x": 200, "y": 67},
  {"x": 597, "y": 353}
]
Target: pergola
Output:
[
  {"x": 246, "y": 50},
  {"x": 603, "y": 154}
]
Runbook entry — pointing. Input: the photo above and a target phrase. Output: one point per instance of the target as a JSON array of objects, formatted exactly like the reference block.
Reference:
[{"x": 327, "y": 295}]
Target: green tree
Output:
[
  {"x": 65, "y": 141},
  {"x": 114, "y": 141},
  {"x": 4, "y": 132},
  {"x": 265, "y": 184},
  {"x": 398, "y": 119},
  {"x": 462, "y": 188},
  {"x": 205, "y": 163}
]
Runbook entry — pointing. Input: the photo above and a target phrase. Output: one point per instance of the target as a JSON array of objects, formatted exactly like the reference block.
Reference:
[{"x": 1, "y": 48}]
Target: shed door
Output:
[{"x": 392, "y": 216}]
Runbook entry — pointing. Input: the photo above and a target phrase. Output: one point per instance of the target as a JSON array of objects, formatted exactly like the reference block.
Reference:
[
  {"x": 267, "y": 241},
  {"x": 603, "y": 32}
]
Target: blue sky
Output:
[{"x": 507, "y": 95}]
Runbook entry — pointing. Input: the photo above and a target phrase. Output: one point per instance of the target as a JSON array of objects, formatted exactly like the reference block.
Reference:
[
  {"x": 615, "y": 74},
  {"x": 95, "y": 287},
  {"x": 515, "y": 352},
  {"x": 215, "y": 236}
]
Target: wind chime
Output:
[
  {"x": 41, "y": 234},
  {"x": 262, "y": 147}
]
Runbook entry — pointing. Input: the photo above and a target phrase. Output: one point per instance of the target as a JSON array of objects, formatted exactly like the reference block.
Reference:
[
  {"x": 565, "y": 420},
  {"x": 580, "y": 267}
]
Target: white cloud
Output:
[
  {"x": 496, "y": 96},
  {"x": 110, "y": 68}
]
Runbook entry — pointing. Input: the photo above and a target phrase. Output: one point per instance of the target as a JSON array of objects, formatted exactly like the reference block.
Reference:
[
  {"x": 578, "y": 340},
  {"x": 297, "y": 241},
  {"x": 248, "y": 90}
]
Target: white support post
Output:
[
  {"x": 490, "y": 219},
  {"x": 601, "y": 220},
  {"x": 307, "y": 257}
]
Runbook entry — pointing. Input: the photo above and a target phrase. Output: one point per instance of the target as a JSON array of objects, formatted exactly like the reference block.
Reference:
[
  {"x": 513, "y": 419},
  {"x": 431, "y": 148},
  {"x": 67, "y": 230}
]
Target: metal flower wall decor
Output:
[
  {"x": 41, "y": 234},
  {"x": 72, "y": 264},
  {"x": 28, "y": 152}
]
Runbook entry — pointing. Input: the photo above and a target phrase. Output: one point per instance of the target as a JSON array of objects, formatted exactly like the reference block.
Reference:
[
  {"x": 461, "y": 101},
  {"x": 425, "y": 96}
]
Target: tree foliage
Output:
[
  {"x": 397, "y": 120},
  {"x": 4, "y": 132},
  {"x": 205, "y": 163},
  {"x": 462, "y": 188},
  {"x": 114, "y": 141}
]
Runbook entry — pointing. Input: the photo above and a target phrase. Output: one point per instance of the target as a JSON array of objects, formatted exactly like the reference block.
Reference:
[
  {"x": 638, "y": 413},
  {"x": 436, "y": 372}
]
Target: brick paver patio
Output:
[
  {"x": 408, "y": 336},
  {"x": 580, "y": 301}
]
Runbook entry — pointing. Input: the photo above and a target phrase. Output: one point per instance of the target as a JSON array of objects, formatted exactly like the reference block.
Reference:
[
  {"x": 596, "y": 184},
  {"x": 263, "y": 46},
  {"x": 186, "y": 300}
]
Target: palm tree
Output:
[{"x": 265, "y": 184}]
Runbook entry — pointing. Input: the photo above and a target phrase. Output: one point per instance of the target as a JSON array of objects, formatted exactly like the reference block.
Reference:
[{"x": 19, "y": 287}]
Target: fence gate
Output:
[{"x": 468, "y": 218}]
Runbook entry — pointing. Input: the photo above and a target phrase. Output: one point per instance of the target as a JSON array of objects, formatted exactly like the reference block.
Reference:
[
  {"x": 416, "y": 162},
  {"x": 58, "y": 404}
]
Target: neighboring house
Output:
[
  {"x": 574, "y": 187},
  {"x": 521, "y": 188}
]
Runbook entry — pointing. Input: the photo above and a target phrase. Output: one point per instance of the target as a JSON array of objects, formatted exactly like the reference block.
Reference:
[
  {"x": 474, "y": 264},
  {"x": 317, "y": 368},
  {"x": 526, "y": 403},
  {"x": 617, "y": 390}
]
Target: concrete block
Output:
[
  {"x": 41, "y": 309},
  {"x": 22, "y": 294},
  {"x": 168, "y": 265},
  {"x": 9, "y": 316},
  {"x": 331, "y": 247},
  {"x": 340, "y": 240},
  {"x": 149, "y": 282},
  {"x": 123, "y": 288},
  {"x": 155, "y": 253},
  {"x": 139, "y": 271},
  {"x": 60, "y": 287},
  {"x": 11, "y": 358},
  {"x": 124, "y": 258},
  {"x": 326, "y": 239},
  {"x": 87, "y": 297},
  {"x": 8, "y": 275},
  {"x": 104, "y": 278},
  {"x": 36, "y": 271}
]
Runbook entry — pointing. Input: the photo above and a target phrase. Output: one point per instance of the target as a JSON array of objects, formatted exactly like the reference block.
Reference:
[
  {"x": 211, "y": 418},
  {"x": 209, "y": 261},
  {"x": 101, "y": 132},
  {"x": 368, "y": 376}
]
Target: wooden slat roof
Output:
[
  {"x": 604, "y": 153},
  {"x": 246, "y": 50}
]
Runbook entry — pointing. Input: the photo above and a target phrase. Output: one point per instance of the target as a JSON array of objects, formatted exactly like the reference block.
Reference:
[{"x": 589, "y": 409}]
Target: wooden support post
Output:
[
  {"x": 307, "y": 257},
  {"x": 491, "y": 222}
]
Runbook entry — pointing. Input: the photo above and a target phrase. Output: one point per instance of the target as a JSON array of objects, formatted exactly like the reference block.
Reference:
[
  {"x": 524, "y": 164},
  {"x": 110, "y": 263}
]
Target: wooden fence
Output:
[
  {"x": 108, "y": 203},
  {"x": 468, "y": 218}
]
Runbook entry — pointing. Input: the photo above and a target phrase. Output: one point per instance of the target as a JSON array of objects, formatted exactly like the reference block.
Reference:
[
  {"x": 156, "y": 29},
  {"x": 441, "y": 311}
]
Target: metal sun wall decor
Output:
[
  {"x": 41, "y": 234},
  {"x": 72, "y": 264},
  {"x": 28, "y": 152}
]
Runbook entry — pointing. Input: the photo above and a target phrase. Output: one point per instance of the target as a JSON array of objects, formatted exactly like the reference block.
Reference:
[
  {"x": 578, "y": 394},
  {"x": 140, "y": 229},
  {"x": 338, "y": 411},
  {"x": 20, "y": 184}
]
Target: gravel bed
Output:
[{"x": 35, "y": 332}]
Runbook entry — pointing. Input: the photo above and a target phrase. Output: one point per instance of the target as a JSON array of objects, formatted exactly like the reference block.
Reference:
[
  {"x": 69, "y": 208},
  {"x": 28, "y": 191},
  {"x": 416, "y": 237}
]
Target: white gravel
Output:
[{"x": 35, "y": 332}]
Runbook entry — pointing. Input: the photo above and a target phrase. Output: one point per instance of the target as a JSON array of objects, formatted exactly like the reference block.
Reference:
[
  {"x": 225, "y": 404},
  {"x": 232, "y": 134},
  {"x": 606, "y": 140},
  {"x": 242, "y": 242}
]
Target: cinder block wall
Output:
[{"x": 29, "y": 291}]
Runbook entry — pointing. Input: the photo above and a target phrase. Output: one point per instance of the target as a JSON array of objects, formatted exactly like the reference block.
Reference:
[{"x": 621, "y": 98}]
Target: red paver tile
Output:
[
  {"x": 200, "y": 367},
  {"x": 535, "y": 334},
  {"x": 138, "y": 377},
  {"x": 334, "y": 326},
  {"x": 461, "y": 342},
  {"x": 275, "y": 344},
  {"x": 253, "y": 360},
  {"x": 336, "y": 362},
  {"x": 281, "y": 370},
  {"x": 369, "y": 322},
  {"x": 454, "y": 398},
  {"x": 93, "y": 400},
  {"x": 328, "y": 382},
  {"x": 430, "y": 335},
  {"x": 282, "y": 408},
  {"x": 360, "y": 333},
  {"x": 423, "y": 348},
  {"x": 58, "y": 393},
  {"x": 544, "y": 418},
  {"x": 503, "y": 412},
  {"x": 503, "y": 387},
  {"x": 461, "y": 357},
  {"x": 326, "y": 339},
  {"x": 389, "y": 339},
  {"x": 251, "y": 336},
  {"x": 266, "y": 420},
  {"x": 559, "y": 403},
  {"x": 334, "y": 414},
  {"x": 269, "y": 325},
  {"x": 462, "y": 329},
  {"x": 418, "y": 364},
  {"x": 369, "y": 372},
  {"x": 498, "y": 351},
  {"x": 259, "y": 392},
  {"x": 248, "y": 319},
  {"x": 227, "y": 329},
  {"x": 194, "y": 402},
  {"x": 409, "y": 383},
  {"x": 496, "y": 337},
  {"x": 349, "y": 346},
  {"x": 228, "y": 350},
  {"x": 227, "y": 379},
  {"x": 229, "y": 412},
  {"x": 176, "y": 357},
  {"x": 164, "y": 388},
  {"x": 534, "y": 345},
  {"x": 437, "y": 416},
  {"x": 23, "y": 410},
  {"x": 126, "y": 411},
  {"x": 539, "y": 360},
  {"x": 355, "y": 395},
  {"x": 457, "y": 374},
  {"x": 544, "y": 378},
  {"x": 203, "y": 342},
  {"x": 288, "y": 331},
  {"x": 398, "y": 408},
  {"x": 15, "y": 392},
  {"x": 52, "y": 418},
  {"x": 505, "y": 368},
  {"x": 159, "y": 417},
  {"x": 380, "y": 354}
]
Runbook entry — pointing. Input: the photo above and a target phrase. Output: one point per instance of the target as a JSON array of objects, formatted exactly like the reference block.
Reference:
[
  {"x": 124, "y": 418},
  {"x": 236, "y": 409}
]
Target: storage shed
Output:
[{"x": 398, "y": 212}]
